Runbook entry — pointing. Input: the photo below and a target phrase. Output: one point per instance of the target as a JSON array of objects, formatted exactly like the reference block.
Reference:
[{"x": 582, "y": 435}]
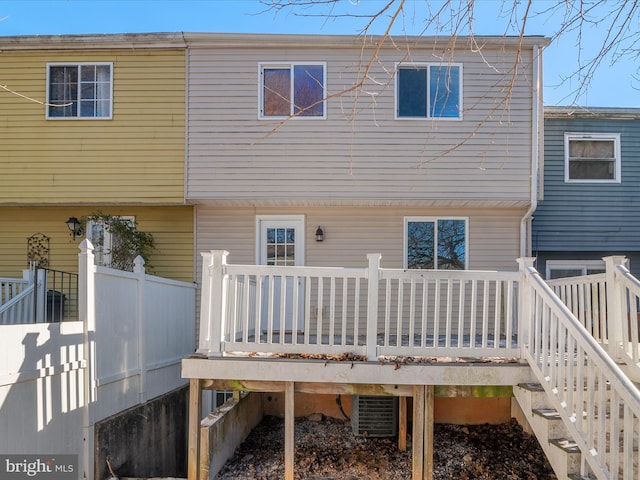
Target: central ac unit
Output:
[{"x": 374, "y": 416}]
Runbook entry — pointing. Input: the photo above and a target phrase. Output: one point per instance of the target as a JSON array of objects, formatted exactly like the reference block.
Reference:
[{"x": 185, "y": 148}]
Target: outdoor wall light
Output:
[
  {"x": 319, "y": 234},
  {"x": 74, "y": 227}
]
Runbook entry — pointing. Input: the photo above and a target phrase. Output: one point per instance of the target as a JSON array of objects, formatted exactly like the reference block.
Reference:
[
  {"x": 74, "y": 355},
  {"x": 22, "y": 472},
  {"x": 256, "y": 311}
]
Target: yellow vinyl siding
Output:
[
  {"x": 171, "y": 227},
  {"x": 135, "y": 157}
]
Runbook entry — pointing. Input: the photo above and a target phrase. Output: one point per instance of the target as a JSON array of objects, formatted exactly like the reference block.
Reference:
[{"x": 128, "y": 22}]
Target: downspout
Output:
[{"x": 525, "y": 223}]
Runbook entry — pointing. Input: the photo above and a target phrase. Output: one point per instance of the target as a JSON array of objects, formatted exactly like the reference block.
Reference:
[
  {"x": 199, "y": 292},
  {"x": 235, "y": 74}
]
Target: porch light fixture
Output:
[
  {"x": 74, "y": 227},
  {"x": 319, "y": 234}
]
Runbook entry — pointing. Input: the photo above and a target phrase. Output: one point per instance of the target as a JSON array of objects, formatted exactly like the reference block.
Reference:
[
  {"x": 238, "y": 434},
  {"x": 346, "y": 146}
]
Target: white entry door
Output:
[{"x": 281, "y": 244}]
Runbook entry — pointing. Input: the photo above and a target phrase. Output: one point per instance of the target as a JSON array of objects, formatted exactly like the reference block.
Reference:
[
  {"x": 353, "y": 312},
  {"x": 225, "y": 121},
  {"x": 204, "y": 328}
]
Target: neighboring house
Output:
[
  {"x": 591, "y": 191},
  {"x": 432, "y": 161},
  {"x": 95, "y": 124},
  {"x": 92, "y": 123}
]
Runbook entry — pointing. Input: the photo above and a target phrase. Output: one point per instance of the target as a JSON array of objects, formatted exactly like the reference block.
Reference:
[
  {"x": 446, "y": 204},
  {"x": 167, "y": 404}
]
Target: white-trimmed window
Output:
[
  {"x": 103, "y": 240},
  {"x": 292, "y": 89},
  {"x": 573, "y": 268},
  {"x": 436, "y": 243},
  {"x": 592, "y": 157},
  {"x": 79, "y": 90},
  {"x": 429, "y": 91}
]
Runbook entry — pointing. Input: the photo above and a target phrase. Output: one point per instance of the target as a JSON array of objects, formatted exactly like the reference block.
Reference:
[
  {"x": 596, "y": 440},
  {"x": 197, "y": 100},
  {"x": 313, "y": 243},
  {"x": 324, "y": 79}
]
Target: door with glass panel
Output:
[{"x": 281, "y": 244}]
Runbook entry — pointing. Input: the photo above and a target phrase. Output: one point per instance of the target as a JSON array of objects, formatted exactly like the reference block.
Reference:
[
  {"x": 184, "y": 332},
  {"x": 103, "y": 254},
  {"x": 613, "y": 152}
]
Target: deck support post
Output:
[
  {"x": 195, "y": 406},
  {"x": 430, "y": 395},
  {"x": 418, "y": 433},
  {"x": 402, "y": 424},
  {"x": 373, "y": 279},
  {"x": 289, "y": 430},
  {"x": 617, "y": 317},
  {"x": 423, "y": 400},
  {"x": 525, "y": 312}
]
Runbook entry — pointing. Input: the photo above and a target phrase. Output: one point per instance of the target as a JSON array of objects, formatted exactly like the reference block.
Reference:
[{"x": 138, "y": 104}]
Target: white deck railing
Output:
[
  {"x": 571, "y": 334},
  {"x": 362, "y": 311},
  {"x": 19, "y": 309},
  {"x": 11, "y": 287},
  {"x": 607, "y": 306},
  {"x": 597, "y": 401}
]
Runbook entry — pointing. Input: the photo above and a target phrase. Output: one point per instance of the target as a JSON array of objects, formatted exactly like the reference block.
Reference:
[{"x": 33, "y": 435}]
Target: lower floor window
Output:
[
  {"x": 436, "y": 243},
  {"x": 573, "y": 268}
]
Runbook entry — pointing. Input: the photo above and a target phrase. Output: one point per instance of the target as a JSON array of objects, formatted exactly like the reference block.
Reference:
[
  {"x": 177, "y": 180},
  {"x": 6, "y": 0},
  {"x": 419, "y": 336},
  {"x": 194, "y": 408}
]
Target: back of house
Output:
[{"x": 316, "y": 150}]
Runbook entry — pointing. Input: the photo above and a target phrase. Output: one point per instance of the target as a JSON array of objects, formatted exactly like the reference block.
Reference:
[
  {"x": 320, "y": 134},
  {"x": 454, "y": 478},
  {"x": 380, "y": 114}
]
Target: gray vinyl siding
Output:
[
  {"x": 360, "y": 154},
  {"x": 584, "y": 217},
  {"x": 352, "y": 232}
]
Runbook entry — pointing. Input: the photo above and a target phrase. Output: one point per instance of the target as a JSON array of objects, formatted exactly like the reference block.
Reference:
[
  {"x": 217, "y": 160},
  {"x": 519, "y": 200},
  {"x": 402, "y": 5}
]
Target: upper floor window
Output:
[
  {"x": 592, "y": 157},
  {"x": 79, "y": 90},
  {"x": 436, "y": 243},
  {"x": 429, "y": 91},
  {"x": 292, "y": 89}
]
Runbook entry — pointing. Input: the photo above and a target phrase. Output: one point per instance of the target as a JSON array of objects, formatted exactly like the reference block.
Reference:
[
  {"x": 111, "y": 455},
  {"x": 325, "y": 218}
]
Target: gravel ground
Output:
[{"x": 328, "y": 450}]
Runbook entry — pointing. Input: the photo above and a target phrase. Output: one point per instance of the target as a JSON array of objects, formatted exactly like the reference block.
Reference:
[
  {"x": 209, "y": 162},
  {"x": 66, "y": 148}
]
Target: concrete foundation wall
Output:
[
  {"x": 223, "y": 430},
  {"x": 145, "y": 441}
]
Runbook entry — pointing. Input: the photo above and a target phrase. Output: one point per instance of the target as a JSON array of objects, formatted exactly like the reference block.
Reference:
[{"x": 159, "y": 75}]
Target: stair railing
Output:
[{"x": 598, "y": 403}]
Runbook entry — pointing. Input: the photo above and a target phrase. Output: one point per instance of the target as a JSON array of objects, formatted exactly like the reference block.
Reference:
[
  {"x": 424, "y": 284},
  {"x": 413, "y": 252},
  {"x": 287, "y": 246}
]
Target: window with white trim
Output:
[
  {"x": 292, "y": 89},
  {"x": 436, "y": 243},
  {"x": 79, "y": 90},
  {"x": 592, "y": 157},
  {"x": 573, "y": 268},
  {"x": 429, "y": 91},
  {"x": 104, "y": 241}
]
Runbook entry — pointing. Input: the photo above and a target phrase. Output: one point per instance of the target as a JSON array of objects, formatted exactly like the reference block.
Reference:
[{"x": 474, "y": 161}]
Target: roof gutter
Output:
[{"x": 525, "y": 224}]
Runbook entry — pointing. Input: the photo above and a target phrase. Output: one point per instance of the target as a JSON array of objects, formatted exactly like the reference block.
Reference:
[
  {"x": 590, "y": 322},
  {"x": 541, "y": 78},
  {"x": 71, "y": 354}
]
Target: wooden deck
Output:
[{"x": 377, "y": 331}]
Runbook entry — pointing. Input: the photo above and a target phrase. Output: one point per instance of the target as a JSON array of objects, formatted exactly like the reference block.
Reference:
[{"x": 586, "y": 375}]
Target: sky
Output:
[{"x": 614, "y": 84}]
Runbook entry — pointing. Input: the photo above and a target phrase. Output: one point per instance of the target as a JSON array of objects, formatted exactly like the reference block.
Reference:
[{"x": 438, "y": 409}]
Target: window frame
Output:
[
  {"x": 427, "y": 65},
  {"x": 615, "y": 137},
  {"x": 292, "y": 113},
  {"x": 78, "y": 65},
  {"x": 102, "y": 253},
  {"x": 583, "y": 265},
  {"x": 434, "y": 220}
]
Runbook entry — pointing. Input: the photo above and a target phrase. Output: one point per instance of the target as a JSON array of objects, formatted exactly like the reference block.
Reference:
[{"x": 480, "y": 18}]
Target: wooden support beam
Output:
[
  {"x": 289, "y": 430},
  {"x": 320, "y": 388},
  {"x": 402, "y": 424},
  {"x": 418, "y": 433},
  {"x": 195, "y": 406},
  {"x": 428, "y": 431}
]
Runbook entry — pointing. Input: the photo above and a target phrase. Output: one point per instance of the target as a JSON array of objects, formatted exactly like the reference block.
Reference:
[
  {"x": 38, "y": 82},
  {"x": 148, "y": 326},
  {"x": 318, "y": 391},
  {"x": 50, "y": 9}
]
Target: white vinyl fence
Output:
[{"x": 58, "y": 379}]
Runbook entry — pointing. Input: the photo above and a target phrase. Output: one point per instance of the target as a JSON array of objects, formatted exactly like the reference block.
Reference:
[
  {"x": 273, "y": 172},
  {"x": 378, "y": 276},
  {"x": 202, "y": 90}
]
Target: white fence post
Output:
[
  {"x": 616, "y": 306},
  {"x": 373, "y": 280},
  {"x": 86, "y": 314},
  {"x": 139, "y": 270},
  {"x": 214, "y": 297},
  {"x": 525, "y": 312}
]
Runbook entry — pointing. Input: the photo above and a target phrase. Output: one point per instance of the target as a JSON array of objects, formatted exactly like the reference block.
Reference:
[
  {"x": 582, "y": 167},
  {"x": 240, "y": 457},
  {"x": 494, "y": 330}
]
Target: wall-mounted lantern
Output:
[
  {"x": 319, "y": 234},
  {"x": 75, "y": 227}
]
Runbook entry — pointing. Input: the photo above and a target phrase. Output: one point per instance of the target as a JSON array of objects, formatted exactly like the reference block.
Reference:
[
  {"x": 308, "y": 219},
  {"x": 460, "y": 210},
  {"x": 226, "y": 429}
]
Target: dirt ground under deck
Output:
[{"x": 327, "y": 449}]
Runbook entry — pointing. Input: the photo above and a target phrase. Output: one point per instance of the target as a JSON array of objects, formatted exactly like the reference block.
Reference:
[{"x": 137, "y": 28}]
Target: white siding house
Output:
[{"x": 423, "y": 129}]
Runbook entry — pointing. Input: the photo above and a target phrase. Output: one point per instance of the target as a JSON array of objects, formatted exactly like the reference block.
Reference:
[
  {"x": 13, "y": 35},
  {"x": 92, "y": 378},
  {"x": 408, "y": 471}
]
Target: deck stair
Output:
[{"x": 546, "y": 423}]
